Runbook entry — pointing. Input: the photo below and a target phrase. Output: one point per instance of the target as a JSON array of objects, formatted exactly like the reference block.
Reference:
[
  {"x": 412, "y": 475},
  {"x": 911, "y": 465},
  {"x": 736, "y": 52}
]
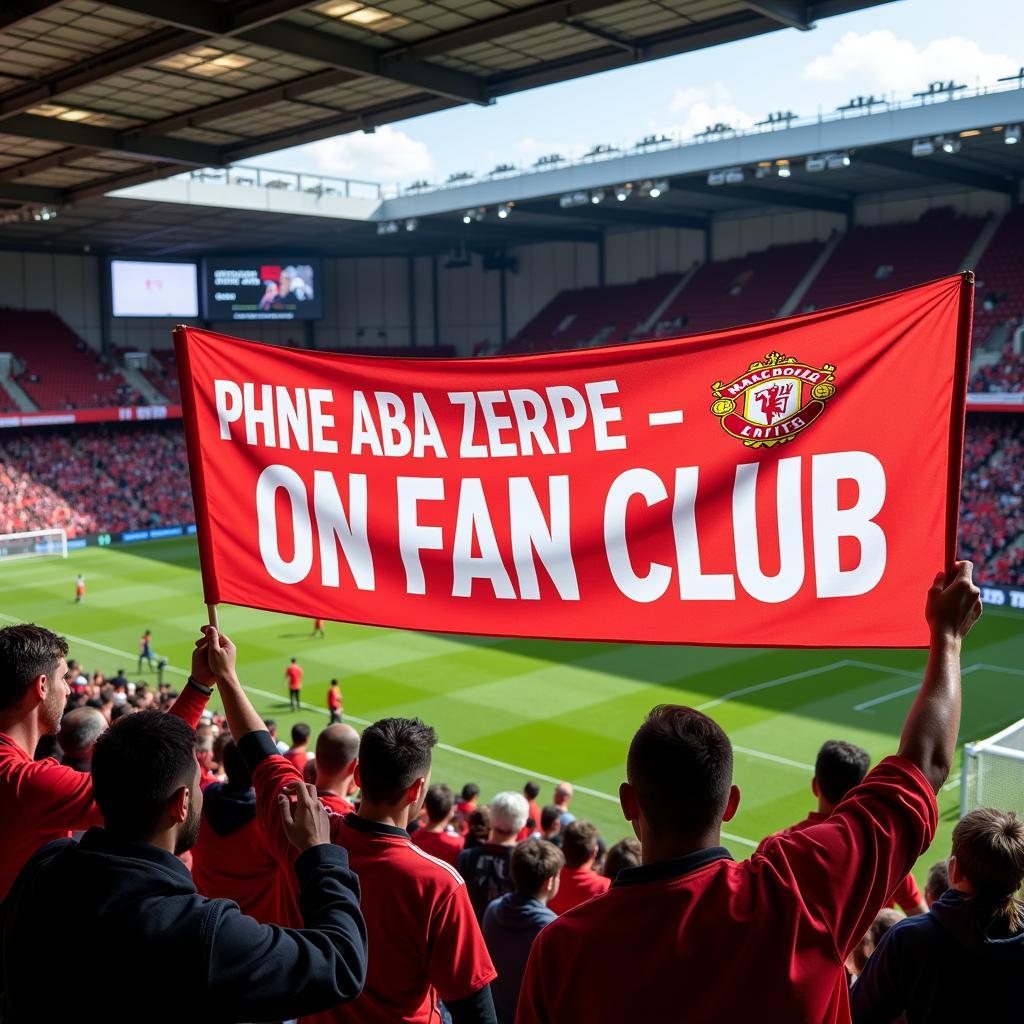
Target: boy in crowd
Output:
[
  {"x": 579, "y": 881},
  {"x": 298, "y": 752},
  {"x": 512, "y": 921}
]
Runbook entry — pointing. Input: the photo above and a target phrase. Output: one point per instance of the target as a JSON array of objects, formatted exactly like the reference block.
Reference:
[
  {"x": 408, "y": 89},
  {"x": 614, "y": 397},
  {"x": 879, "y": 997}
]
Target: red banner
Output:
[{"x": 792, "y": 483}]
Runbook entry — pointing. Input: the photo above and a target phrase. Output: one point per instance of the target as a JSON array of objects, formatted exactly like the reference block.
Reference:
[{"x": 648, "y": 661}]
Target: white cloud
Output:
[
  {"x": 880, "y": 61},
  {"x": 698, "y": 107},
  {"x": 385, "y": 156}
]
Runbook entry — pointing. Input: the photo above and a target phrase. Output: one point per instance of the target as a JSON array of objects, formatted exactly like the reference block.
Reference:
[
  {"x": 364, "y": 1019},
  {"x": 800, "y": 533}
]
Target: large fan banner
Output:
[{"x": 793, "y": 483}]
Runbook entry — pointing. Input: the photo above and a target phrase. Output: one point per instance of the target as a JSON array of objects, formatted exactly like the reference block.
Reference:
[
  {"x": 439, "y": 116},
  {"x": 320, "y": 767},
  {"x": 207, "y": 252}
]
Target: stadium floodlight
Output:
[
  {"x": 387, "y": 227},
  {"x": 623, "y": 192},
  {"x": 573, "y": 199},
  {"x": 412, "y": 224},
  {"x": 657, "y": 188},
  {"x": 44, "y": 213},
  {"x": 814, "y": 164},
  {"x": 782, "y": 168},
  {"x": 597, "y": 196},
  {"x": 734, "y": 175},
  {"x": 504, "y": 210},
  {"x": 837, "y": 161},
  {"x": 716, "y": 177},
  {"x": 922, "y": 147},
  {"x": 1011, "y": 136},
  {"x": 949, "y": 145},
  {"x": 467, "y": 217}
]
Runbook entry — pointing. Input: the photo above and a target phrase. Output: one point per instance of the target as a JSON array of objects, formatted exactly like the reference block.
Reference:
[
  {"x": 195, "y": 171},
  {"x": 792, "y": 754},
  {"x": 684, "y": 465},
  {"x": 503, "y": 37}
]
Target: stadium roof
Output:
[{"x": 99, "y": 96}]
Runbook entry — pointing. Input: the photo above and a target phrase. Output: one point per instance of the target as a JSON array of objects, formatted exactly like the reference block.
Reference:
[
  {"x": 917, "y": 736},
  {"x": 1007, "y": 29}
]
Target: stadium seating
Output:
[
  {"x": 738, "y": 291},
  {"x": 61, "y": 371},
  {"x": 886, "y": 257},
  {"x": 581, "y": 316}
]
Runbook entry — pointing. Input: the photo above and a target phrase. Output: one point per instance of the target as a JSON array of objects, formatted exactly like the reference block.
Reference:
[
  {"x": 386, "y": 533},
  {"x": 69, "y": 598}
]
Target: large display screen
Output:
[
  {"x": 262, "y": 289},
  {"x": 153, "y": 289}
]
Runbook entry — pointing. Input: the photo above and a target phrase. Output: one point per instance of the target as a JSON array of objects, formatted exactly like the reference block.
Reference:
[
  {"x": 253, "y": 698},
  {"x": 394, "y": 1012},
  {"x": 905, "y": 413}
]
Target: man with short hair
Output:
[
  {"x": 293, "y": 673},
  {"x": 792, "y": 914},
  {"x": 204, "y": 754},
  {"x": 124, "y": 886},
  {"x": 232, "y": 859},
  {"x": 426, "y": 942},
  {"x": 579, "y": 881},
  {"x": 512, "y": 921},
  {"x": 437, "y": 837},
  {"x": 838, "y": 768},
  {"x": 298, "y": 752},
  {"x": 964, "y": 959},
  {"x": 938, "y": 881},
  {"x": 562, "y": 799},
  {"x": 79, "y": 731},
  {"x": 42, "y": 800},
  {"x": 486, "y": 868},
  {"x": 337, "y": 756},
  {"x": 551, "y": 825}
]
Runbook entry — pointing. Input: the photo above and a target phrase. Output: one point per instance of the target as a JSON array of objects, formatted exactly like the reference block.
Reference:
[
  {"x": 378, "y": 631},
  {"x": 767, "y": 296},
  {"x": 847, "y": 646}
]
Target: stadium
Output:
[{"x": 149, "y": 181}]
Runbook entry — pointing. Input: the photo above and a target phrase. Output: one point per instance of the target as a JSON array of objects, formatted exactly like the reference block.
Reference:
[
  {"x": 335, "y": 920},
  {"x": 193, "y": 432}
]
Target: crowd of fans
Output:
[
  {"x": 104, "y": 479},
  {"x": 188, "y": 838},
  {"x": 1007, "y": 374}
]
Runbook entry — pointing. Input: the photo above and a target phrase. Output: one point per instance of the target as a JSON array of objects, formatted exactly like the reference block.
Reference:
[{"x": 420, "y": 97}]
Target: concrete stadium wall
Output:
[{"x": 367, "y": 300}]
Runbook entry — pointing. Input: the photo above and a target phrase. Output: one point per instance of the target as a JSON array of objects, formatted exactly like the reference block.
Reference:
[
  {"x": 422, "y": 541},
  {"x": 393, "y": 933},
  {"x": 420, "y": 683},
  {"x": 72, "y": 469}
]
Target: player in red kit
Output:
[
  {"x": 79, "y": 589},
  {"x": 682, "y": 925},
  {"x": 426, "y": 943},
  {"x": 293, "y": 673},
  {"x": 318, "y": 629},
  {"x": 335, "y": 705}
]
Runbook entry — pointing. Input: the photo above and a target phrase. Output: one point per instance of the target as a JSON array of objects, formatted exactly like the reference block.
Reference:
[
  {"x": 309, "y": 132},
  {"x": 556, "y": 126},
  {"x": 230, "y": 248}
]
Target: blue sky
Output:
[{"x": 892, "y": 49}]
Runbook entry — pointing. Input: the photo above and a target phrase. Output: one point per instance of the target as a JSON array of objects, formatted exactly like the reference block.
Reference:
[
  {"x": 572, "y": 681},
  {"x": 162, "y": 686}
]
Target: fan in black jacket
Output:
[{"x": 186, "y": 958}]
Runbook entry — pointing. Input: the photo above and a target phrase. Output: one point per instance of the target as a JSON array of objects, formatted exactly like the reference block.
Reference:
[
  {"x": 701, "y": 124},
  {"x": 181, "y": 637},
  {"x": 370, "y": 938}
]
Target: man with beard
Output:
[
  {"x": 125, "y": 888},
  {"x": 42, "y": 800}
]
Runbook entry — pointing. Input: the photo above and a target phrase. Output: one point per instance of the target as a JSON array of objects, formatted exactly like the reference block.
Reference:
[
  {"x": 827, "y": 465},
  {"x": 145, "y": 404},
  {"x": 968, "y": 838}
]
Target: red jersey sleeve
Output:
[
  {"x": 270, "y": 777},
  {"x": 56, "y": 798},
  {"x": 189, "y": 704},
  {"x": 907, "y": 896},
  {"x": 458, "y": 963},
  {"x": 846, "y": 867}
]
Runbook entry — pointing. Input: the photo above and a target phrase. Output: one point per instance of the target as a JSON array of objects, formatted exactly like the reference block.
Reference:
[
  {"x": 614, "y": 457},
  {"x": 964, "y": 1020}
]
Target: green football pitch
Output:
[{"x": 511, "y": 710}]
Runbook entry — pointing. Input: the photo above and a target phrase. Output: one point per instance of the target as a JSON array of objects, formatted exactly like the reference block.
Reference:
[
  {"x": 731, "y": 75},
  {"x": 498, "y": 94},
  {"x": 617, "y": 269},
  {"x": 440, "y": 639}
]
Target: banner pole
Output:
[{"x": 211, "y": 612}]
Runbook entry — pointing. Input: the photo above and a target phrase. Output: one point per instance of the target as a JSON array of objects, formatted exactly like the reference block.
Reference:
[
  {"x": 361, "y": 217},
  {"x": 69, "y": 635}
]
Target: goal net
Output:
[
  {"x": 993, "y": 772},
  {"x": 32, "y": 543}
]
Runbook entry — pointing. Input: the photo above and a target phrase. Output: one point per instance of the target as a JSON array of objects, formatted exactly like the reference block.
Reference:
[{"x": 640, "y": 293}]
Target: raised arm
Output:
[{"x": 929, "y": 735}]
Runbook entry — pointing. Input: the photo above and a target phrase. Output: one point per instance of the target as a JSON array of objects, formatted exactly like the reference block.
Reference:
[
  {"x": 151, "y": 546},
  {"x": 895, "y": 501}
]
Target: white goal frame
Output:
[
  {"x": 61, "y": 536},
  {"x": 1004, "y": 750}
]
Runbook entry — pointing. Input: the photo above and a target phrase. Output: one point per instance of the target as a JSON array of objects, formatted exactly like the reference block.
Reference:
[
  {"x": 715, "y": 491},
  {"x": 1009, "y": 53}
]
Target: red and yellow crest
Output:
[{"x": 774, "y": 400}]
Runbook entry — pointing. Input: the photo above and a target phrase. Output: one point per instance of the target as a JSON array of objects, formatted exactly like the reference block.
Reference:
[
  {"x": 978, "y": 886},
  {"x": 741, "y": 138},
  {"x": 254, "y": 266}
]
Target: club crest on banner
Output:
[{"x": 776, "y": 399}]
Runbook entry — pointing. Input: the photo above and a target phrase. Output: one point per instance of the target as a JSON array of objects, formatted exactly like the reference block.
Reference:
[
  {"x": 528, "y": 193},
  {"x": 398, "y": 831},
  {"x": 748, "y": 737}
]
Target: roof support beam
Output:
[
  {"x": 71, "y": 133},
  {"x": 790, "y": 13},
  {"x": 21, "y": 10},
  {"x": 261, "y": 25},
  {"x": 786, "y": 196},
  {"x": 31, "y": 194},
  {"x": 44, "y": 163},
  {"x": 939, "y": 167},
  {"x": 628, "y": 215},
  {"x": 544, "y": 13}
]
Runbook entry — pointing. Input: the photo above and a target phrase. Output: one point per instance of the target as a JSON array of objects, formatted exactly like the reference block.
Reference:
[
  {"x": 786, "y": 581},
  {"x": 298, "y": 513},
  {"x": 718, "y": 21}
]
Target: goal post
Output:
[
  {"x": 32, "y": 543},
  {"x": 993, "y": 772}
]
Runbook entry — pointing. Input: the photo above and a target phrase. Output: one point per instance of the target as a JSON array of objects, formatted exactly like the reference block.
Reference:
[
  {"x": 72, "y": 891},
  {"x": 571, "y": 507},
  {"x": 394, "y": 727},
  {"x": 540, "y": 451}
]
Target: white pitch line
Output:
[
  {"x": 952, "y": 783},
  {"x": 733, "y": 694},
  {"x": 774, "y": 757},
  {"x": 664, "y": 419},
  {"x": 968, "y": 670},
  {"x": 518, "y": 769}
]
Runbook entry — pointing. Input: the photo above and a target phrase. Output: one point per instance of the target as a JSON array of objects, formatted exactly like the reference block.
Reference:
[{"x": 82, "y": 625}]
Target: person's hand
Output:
[
  {"x": 221, "y": 654},
  {"x": 953, "y": 607},
  {"x": 306, "y": 824},
  {"x": 201, "y": 664}
]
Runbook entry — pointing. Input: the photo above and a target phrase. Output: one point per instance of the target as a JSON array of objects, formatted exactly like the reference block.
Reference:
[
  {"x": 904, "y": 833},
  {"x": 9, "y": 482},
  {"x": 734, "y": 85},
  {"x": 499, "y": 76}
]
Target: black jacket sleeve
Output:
[
  {"x": 477, "y": 1008},
  {"x": 264, "y": 972},
  {"x": 877, "y": 996},
  {"x": 256, "y": 747}
]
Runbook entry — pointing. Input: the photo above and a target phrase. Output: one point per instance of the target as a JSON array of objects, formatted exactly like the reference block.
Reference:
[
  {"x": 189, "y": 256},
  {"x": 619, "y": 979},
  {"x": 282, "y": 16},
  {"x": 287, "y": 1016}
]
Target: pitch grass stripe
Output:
[
  {"x": 977, "y": 667},
  {"x": 519, "y": 770},
  {"x": 807, "y": 673},
  {"x": 774, "y": 758}
]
